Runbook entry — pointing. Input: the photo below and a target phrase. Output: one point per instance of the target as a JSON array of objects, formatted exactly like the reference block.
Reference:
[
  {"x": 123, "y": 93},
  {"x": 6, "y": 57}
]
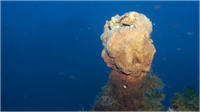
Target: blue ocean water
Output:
[{"x": 51, "y": 51}]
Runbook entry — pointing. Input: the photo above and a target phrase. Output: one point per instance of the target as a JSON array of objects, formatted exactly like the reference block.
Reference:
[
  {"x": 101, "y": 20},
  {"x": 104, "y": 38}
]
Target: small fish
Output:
[
  {"x": 178, "y": 35},
  {"x": 81, "y": 105},
  {"x": 36, "y": 5},
  {"x": 63, "y": 95},
  {"x": 158, "y": 7},
  {"x": 163, "y": 74},
  {"x": 174, "y": 26},
  {"x": 61, "y": 73},
  {"x": 6, "y": 28},
  {"x": 179, "y": 49},
  {"x": 73, "y": 77},
  {"x": 164, "y": 58},
  {"x": 190, "y": 32},
  {"x": 25, "y": 96},
  {"x": 169, "y": 86}
]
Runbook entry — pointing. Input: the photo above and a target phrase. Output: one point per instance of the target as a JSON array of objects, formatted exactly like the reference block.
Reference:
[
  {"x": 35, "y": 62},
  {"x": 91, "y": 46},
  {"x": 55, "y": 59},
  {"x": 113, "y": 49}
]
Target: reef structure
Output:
[{"x": 129, "y": 51}]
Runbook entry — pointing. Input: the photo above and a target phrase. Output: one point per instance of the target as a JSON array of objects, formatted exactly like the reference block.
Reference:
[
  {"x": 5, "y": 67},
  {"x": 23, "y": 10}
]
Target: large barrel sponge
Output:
[{"x": 127, "y": 44}]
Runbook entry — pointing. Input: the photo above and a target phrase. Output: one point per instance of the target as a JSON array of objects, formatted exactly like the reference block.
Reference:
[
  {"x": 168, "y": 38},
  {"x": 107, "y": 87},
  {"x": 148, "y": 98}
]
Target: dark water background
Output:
[{"x": 51, "y": 51}]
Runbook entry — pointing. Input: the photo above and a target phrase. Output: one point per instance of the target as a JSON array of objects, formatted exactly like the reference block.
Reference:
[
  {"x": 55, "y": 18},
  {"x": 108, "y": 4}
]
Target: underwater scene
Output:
[{"x": 99, "y": 55}]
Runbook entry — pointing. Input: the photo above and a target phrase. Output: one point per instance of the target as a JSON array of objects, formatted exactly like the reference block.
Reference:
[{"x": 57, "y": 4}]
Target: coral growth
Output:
[
  {"x": 188, "y": 101},
  {"x": 152, "y": 96},
  {"x": 129, "y": 51},
  {"x": 144, "y": 96},
  {"x": 152, "y": 102}
]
